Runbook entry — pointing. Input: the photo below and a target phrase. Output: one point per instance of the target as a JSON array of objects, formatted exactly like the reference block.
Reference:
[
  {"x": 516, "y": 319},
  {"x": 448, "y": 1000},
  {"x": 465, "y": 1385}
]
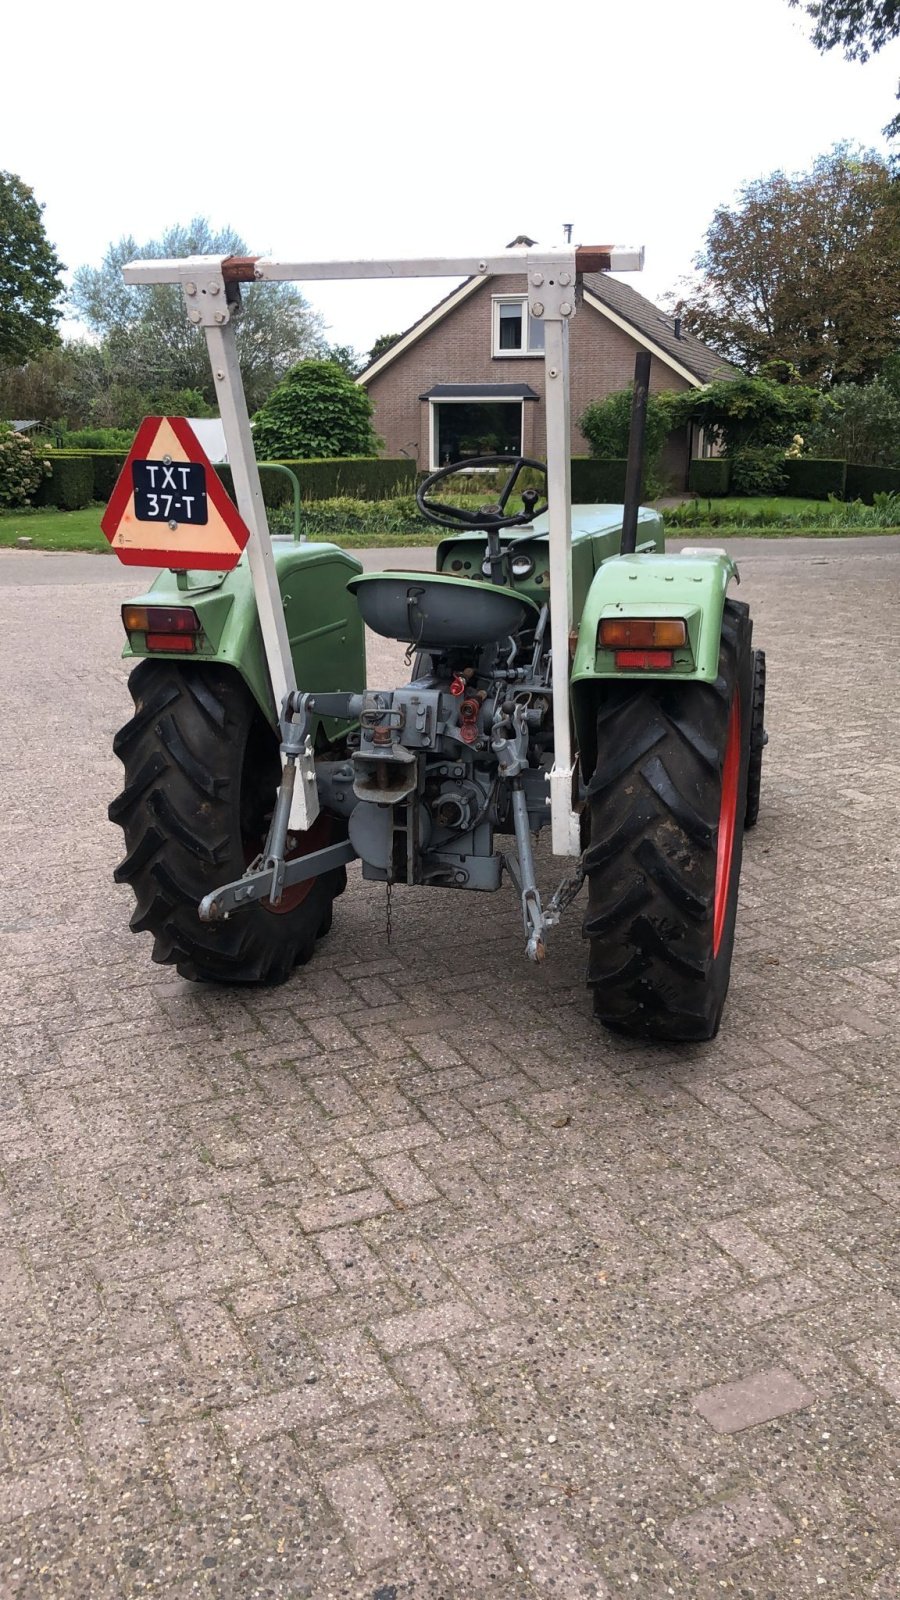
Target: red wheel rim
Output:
[
  {"x": 315, "y": 838},
  {"x": 731, "y": 778}
]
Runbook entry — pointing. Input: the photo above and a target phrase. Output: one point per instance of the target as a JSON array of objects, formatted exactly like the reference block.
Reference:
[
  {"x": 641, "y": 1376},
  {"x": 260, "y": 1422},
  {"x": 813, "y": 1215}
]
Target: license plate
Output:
[{"x": 173, "y": 491}]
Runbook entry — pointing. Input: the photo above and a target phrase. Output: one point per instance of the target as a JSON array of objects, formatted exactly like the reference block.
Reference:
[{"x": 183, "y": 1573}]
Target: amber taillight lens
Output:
[{"x": 641, "y": 633}]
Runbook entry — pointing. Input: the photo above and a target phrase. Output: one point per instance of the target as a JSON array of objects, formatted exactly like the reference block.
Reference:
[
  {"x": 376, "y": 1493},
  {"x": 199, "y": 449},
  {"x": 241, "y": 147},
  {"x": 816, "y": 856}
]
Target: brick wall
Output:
[{"x": 458, "y": 350}]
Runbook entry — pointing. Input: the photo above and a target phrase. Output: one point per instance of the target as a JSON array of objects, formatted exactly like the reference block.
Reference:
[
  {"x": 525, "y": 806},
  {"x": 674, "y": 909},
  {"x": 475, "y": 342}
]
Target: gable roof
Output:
[
  {"x": 631, "y": 311},
  {"x": 654, "y": 327}
]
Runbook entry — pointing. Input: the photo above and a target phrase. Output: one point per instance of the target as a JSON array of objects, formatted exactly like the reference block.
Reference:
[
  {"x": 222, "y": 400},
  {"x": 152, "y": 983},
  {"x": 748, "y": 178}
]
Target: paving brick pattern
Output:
[{"x": 404, "y": 1281}]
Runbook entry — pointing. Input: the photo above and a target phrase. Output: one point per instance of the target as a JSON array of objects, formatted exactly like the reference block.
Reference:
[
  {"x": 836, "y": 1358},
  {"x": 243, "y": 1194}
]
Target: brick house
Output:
[{"x": 468, "y": 378}]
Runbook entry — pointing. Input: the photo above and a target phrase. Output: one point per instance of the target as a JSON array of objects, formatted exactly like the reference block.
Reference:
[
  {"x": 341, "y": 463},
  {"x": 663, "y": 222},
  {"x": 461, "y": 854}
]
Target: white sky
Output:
[{"x": 406, "y": 128}]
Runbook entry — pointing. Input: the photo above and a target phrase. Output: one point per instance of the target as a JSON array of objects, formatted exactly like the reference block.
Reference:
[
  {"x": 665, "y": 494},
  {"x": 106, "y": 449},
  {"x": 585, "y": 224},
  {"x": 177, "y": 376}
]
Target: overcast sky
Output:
[{"x": 415, "y": 128}]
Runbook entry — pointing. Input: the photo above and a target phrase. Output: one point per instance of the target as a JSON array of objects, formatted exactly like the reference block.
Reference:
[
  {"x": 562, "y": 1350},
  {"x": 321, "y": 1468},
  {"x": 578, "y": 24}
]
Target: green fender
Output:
[
  {"x": 323, "y": 622},
  {"x": 690, "y": 585}
]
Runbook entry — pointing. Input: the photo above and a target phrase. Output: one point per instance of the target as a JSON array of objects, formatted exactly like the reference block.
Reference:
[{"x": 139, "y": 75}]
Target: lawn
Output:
[
  {"x": 386, "y": 523},
  {"x": 54, "y": 530},
  {"x": 80, "y": 530}
]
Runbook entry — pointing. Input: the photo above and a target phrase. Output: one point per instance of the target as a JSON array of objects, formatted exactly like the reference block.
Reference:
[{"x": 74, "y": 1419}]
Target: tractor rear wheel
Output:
[
  {"x": 667, "y": 805},
  {"x": 201, "y": 771}
]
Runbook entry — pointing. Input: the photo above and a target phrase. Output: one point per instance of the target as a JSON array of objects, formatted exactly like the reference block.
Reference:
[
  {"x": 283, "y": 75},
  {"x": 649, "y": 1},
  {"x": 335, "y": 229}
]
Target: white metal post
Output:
[
  {"x": 564, "y": 824},
  {"x": 207, "y": 306}
]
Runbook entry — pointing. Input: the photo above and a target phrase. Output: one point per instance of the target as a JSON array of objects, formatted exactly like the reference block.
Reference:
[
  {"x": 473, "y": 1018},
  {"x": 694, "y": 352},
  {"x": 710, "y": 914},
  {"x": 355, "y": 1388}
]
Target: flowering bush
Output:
[{"x": 22, "y": 468}]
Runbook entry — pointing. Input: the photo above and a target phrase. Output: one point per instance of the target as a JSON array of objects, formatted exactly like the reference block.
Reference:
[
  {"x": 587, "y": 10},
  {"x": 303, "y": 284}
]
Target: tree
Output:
[
  {"x": 345, "y": 357},
  {"x": 385, "y": 341},
  {"x": 30, "y": 284},
  {"x": 805, "y": 268},
  {"x": 151, "y": 347},
  {"x": 316, "y": 411},
  {"x": 606, "y": 425},
  {"x": 860, "y": 27},
  {"x": 859, "y": 423}
]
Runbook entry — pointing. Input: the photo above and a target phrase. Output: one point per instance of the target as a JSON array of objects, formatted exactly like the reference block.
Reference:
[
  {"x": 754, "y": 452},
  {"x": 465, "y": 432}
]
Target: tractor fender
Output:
[
  {"x": 690, "y": 585},
  {"x": 324, "y": 625}
]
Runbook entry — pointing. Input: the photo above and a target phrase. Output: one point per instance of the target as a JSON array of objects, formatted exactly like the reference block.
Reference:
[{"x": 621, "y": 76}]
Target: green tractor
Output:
[{"x": 565, "y": 671}]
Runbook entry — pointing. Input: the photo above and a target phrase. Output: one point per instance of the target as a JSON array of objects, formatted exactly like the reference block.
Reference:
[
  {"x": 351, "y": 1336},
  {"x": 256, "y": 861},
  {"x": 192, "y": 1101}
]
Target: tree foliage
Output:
[
  {"x": 385, "y": 341},
  {"x": 858, "y": 27},
  {"x": 316, "y": 411},
  {"x": 755, "y": 422},
  {"x": 606, "y": 425},
  {"x": 859, "y": 423},
  {"x": 149, "y": 346},
  {"x": 805, "y": 269},
  {"x": 345, "y": 357},
  {"x": 30, "y": 284}
]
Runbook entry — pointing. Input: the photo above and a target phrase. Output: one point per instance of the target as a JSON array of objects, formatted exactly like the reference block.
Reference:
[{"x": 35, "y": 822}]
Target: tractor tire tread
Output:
[
  {"x": 652, "y": 856},
  {"x": 184, "y": 753}
]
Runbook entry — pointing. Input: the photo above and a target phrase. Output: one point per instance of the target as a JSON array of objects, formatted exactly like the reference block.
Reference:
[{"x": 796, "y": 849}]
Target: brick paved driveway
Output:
[{"x": 404, "y": 1280}]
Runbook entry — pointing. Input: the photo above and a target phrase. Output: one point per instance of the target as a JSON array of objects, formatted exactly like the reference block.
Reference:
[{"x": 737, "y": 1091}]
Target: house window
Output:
[
  {"x": 516, "y": 331},
  {"x": 464, "y": 428}
]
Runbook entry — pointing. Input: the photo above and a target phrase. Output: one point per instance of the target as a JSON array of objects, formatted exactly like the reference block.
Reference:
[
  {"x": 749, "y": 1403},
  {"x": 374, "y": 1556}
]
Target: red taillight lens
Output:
[
  {"x": 184, "y": 643},
  {"x": 641, "y": 633},
  {"x": 160, "y": 619},
  {"x": 644, "y": 660}
]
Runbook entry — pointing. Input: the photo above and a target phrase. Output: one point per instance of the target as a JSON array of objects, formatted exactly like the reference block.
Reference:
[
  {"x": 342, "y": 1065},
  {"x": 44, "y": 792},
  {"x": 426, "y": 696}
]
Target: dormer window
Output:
[{"x": 515, "y": 331}]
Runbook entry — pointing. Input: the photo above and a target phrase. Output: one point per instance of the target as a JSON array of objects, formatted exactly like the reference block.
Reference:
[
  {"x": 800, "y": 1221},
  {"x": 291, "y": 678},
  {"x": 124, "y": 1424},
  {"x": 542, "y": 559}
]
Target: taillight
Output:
[
  {"x": 184, "y": 643},
  {"x": 171, "y": 628},
  {"x": 644, "y": 660},
  {"x": 641, "y": 633},
  {"x": 160, "y": 619}
]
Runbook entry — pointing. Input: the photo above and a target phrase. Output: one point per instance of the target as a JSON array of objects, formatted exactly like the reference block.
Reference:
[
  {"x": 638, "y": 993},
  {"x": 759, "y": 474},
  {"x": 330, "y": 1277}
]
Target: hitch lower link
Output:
[
  {"x": 271, "y": 873},
  {"x": 509, "y": 742}
]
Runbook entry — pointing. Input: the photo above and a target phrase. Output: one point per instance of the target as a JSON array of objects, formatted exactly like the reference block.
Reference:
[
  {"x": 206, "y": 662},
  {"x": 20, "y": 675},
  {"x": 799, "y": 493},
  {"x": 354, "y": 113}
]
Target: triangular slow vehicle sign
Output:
[{"x": 169, "y": 508}]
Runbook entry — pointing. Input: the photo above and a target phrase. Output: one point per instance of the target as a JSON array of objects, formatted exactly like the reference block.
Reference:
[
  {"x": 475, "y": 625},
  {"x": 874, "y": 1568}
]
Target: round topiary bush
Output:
[{"x": 316, "y": 411}]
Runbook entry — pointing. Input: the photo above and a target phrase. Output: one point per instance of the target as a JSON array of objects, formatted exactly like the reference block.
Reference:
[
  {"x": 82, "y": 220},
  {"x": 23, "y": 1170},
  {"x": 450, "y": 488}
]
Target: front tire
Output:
[
  {"x": 667, "y": 804},
  {"x": 201, "y": 771}
]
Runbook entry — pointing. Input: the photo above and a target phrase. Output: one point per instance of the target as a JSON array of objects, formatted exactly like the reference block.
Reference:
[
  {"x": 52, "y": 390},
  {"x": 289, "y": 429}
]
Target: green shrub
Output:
[
  {"x": 606, "y": 425},
  {"x": 597, "y": 482},
  {"x": 91, "y": 439},
  {"x": 815, "y": 477},
  {"x": 22, "y": 468},
  {"x": 70, "y": 483},
  {"x": 861, "y": 422},
  {"x": 757, "y": 469},
  {"x": 741, "y": 412},
  {"x": 863, "y": 483},
  {"x": 316, "y": 411},
  {"x": 710, "y": 476}
]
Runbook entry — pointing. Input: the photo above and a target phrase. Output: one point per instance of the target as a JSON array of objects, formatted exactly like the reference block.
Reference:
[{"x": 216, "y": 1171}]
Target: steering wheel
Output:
[{"x": 489, "y": 517}]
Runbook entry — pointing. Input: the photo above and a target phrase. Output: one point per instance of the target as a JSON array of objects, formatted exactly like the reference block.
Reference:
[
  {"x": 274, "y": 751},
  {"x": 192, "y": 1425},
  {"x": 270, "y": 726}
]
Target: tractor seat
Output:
[{"x": 434, "y": 611}]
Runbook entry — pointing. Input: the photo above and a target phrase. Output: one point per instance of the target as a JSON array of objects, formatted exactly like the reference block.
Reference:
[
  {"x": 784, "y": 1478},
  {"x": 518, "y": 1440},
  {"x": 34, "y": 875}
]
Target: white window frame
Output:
[
  {"x": 470, "y": 400},
  {"x": 498, "y": 300}
]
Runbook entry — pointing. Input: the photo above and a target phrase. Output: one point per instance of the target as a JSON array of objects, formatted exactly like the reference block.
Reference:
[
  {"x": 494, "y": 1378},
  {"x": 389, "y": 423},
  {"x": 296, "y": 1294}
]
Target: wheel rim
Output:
[
  {"x": 731, "y": 776},
  {"x": 315, "y": 838}
]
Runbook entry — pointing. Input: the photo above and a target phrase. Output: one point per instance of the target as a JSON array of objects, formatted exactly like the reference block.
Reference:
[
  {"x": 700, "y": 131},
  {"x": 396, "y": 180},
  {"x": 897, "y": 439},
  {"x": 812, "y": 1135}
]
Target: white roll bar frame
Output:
[{"x": 211, "y": 294}]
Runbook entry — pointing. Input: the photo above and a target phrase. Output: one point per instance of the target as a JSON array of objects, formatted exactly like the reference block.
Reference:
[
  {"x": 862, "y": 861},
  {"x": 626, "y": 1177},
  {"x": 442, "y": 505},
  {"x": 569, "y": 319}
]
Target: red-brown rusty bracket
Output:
[
  {"x": 239, "y": 269},
  {"x": 593, "y": 257}
]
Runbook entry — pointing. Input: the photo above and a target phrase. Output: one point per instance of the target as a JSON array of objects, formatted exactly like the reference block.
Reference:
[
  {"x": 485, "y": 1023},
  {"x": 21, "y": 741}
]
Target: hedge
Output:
[
  {"x": 70, "y": 485},
  {"x": 359, "y": 478},
  {"x": 350, "y": 477},
  {"x": 863, "y": 483},
  {"x": 709, "y": 476},
  {"x": 598, "y": 482},
  {"x": 815, "y": 478}
]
